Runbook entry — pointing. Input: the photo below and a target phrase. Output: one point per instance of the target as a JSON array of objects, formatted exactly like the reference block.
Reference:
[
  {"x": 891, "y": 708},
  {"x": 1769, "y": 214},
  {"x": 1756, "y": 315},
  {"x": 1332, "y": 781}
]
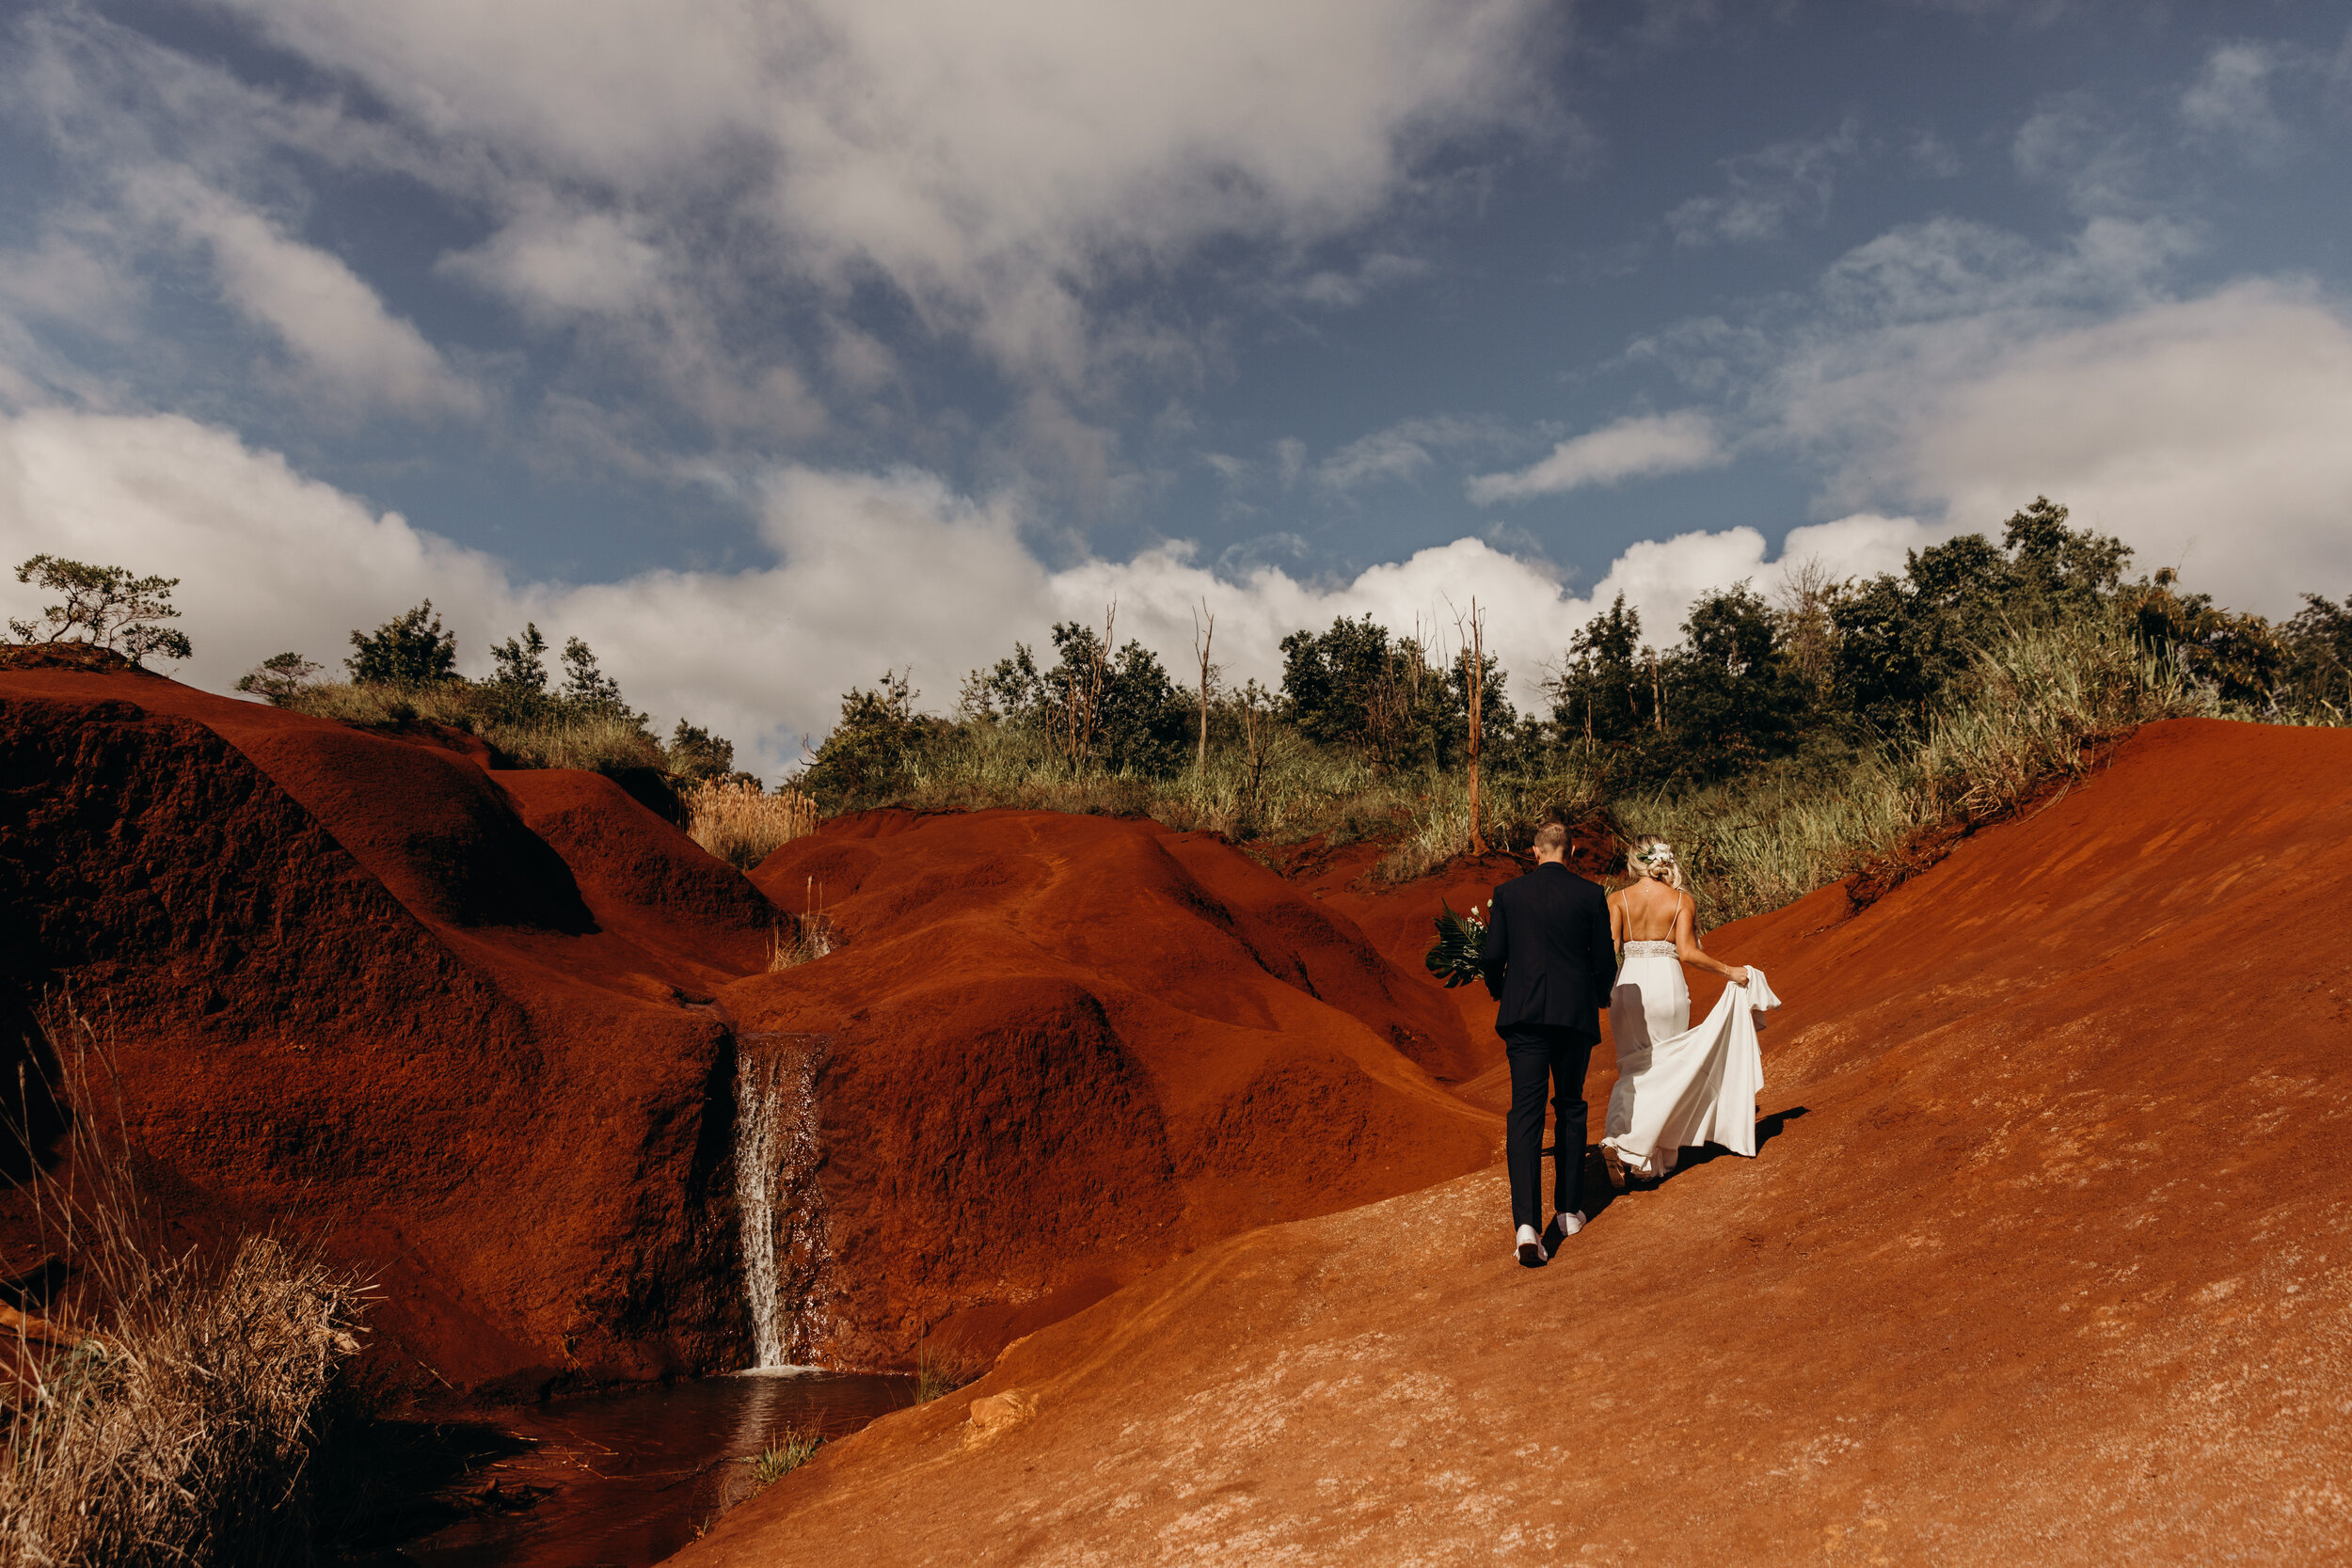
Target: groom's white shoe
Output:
[
  {"x": 1568, "y": 1225},
  {"x": 1531, "y": 1247}
]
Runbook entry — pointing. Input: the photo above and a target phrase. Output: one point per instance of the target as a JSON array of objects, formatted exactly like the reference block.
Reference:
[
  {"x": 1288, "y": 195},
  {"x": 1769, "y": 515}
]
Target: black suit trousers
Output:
[{"x": 1560, "y": 1055}]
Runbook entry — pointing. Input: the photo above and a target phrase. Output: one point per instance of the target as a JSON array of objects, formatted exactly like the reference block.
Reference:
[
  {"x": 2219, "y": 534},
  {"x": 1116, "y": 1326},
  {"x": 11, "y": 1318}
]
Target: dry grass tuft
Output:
[
  {"x": 180, "y": 1426},
  {"x": 812, "y": 936},
  {"x": 945, "y": 1366},
  {"x": 741, "y": 826}
]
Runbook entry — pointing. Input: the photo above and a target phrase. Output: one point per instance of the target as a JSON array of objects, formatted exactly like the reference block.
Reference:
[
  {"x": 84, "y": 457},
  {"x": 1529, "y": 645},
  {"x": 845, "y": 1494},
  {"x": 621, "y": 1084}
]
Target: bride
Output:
[{"x": 1676, "y": 1087}]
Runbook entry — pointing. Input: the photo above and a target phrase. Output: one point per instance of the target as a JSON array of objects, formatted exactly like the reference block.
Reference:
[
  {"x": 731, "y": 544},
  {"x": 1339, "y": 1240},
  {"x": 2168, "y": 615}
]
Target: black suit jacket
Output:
[{"x": 1547, "y": 956}]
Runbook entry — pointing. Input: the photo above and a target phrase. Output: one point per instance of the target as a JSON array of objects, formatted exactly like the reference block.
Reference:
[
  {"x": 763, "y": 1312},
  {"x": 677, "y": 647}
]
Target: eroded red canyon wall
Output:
[{"x": 482, "y": 1028}]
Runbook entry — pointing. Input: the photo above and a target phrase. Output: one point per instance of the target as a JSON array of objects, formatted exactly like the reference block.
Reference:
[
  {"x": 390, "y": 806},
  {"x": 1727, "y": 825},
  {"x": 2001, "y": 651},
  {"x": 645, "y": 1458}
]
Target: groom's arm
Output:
[{"x": 1494, "y": 956}]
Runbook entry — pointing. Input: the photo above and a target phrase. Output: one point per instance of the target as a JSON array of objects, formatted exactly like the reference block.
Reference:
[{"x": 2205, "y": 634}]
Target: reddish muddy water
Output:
[{"x": 623, "y": 1479}]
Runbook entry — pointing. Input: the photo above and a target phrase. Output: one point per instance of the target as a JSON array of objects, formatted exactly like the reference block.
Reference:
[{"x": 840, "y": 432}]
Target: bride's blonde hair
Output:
[{"x": 1654, "y": 858}]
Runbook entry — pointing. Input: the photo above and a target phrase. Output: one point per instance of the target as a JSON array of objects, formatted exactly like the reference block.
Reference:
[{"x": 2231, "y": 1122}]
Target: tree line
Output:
[{"x": 1821, "y": 669}]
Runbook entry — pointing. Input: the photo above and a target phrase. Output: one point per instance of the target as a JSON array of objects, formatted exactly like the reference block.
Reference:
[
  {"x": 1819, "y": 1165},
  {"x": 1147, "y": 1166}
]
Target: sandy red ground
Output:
[{"x": 2044, "y": 1259}]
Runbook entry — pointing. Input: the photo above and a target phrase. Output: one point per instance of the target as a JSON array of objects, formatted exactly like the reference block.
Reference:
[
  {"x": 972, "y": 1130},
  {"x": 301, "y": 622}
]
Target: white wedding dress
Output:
[{"x": 1678, "y": 1086}]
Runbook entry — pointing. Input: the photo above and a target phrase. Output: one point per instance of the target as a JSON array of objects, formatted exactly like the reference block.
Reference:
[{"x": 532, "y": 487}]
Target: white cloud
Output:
[
  {"x": 995, "y": 163},
  {"x": 555, "y": 263},
  {"x": 870, "y": 571},
  {"x": 338, "y": 333},
  {"x": 1766, "y": 188},
  {"x": 1633, "y": 447},
  {"x": 1404, "y": 451},
  {"x": 2209, "y": 432},
  {"x": 2230, "y": 102}
]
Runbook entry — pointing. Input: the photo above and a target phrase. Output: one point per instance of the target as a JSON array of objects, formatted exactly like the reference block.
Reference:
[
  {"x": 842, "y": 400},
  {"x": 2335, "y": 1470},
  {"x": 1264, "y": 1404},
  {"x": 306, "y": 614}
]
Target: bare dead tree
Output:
[
  {"x": 1082, "y": 714},
  {"x": 1202, "y": 636},
  {"x": 1804, "y": 599},
  {"x": 1255, "y": 723}
]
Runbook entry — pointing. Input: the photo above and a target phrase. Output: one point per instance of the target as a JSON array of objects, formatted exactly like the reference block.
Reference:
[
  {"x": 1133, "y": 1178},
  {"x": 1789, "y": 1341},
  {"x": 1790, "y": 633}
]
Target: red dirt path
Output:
[{"x": 2044, "y": 1259}]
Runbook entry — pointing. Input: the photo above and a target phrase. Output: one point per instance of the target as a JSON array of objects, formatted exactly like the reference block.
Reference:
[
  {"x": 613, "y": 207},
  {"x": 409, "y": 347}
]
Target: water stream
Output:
[
  {"x": 623, "y": 1479},
  {"x": 777, "y": 1195}
]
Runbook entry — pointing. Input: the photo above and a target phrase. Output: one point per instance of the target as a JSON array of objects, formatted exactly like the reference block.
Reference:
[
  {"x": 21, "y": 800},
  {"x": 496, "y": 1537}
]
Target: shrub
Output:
[
  {"x": 405, "y": 651},
  {"x": 2033, "y": 708}
]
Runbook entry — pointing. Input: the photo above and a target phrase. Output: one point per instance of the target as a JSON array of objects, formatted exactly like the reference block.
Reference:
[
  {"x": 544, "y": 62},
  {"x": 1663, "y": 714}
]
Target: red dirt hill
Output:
[
  {"x": 1069, "y": 1047},
  {"x": 483, "y": 1028},
  {"x": 2044, "y": 1259}
]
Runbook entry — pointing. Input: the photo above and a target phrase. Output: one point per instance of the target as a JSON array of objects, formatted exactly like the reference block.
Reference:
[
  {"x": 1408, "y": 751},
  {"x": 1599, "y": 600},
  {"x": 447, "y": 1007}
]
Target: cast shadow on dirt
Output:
[{"x": 1599, "y": 1194}]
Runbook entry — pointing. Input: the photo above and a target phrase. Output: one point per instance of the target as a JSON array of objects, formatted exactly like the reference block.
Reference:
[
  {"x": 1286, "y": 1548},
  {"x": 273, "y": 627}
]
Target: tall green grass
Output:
[
  {"x": 2033, "y": 711},
  {"x": 1293, "y": 790}
]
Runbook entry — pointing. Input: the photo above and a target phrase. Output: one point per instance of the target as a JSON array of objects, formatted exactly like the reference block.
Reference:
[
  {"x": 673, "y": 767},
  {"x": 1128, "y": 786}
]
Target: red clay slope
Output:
[
  {"x": 2045, "y": 1260},
  {"x": 485, "y": 1026},
  {"x": 1069, "y": 1047},
  {"x": 368, "y": 985}
]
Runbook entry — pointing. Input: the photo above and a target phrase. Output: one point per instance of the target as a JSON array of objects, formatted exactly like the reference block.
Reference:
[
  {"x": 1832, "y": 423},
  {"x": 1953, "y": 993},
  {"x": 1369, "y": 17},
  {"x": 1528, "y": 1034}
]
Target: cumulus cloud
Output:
[
  {"x": 869, "y": 572},
  {"x": 1633, "y": 447},
  {"x": 2207, "y": 432},
  {"x": 993, "y": 163}
]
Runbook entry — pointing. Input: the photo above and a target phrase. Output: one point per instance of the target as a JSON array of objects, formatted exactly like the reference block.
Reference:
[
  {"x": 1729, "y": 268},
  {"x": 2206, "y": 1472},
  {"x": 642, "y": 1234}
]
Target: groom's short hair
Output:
[{"x": 1552, "y": 835}]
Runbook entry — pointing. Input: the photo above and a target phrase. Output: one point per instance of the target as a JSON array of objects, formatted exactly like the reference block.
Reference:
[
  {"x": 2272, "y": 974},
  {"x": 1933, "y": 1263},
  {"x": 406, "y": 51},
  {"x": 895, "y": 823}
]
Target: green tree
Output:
[
  {"x": 588, "y": 689},
  {"x": 279, "y": 678},
  {"x": 1732, "y": 699},
  {"x": 865, "y": 757},
  {"x": 1901, "y": 641},
  {"x": 1099, "y": 708},
  {"x": 410, "y": 649},
  {"x": 694, "y": 752},
  {"x": 2318, "y": 645},
  {"x": 105, "y": 606},
  {"x": 520, "y": 663},
  {"x": 1603, "y": 693},
  {"x": 1355, "y": 686},
  {"x": 2238, "y": 655}
]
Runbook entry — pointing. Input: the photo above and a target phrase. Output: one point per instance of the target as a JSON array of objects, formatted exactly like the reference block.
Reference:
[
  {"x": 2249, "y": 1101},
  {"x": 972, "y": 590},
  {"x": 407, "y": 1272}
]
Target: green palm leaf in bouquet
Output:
[{"x": 1461, "y": 938}]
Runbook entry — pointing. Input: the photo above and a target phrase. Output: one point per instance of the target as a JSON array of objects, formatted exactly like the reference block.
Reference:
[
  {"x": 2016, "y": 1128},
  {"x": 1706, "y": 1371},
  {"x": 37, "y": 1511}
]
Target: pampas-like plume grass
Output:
[
  {"x": 179, "y": 1427},
  {"x": 741, "y": 826}
]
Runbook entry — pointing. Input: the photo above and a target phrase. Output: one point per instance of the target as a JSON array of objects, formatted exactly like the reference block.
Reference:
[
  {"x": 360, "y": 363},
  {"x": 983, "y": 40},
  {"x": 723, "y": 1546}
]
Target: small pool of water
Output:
[{"x": 622, "y": 1481}]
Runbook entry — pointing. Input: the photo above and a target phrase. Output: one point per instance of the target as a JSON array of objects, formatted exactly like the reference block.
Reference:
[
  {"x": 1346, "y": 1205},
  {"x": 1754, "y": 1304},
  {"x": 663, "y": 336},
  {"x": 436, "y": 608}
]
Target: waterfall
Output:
[{"x": 776, "y": 1156}]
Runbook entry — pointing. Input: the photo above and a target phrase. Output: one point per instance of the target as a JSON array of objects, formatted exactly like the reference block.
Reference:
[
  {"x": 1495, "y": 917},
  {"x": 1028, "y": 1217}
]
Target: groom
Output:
[{"x": 1550, "y": 963}]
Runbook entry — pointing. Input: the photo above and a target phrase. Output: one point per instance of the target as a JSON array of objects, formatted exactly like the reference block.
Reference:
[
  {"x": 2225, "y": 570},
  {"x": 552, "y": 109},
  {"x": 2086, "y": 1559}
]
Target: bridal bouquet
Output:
[{"x": 1460, "y": 937}]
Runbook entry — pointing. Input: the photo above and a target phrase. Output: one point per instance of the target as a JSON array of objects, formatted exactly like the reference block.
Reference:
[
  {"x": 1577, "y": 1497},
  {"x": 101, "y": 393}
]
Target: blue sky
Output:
[{"x": 771, "y": 345}]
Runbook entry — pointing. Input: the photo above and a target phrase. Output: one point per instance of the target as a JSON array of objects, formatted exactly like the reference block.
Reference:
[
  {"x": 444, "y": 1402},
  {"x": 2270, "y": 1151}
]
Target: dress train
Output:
[{"x": 1679, "y": 1086}]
